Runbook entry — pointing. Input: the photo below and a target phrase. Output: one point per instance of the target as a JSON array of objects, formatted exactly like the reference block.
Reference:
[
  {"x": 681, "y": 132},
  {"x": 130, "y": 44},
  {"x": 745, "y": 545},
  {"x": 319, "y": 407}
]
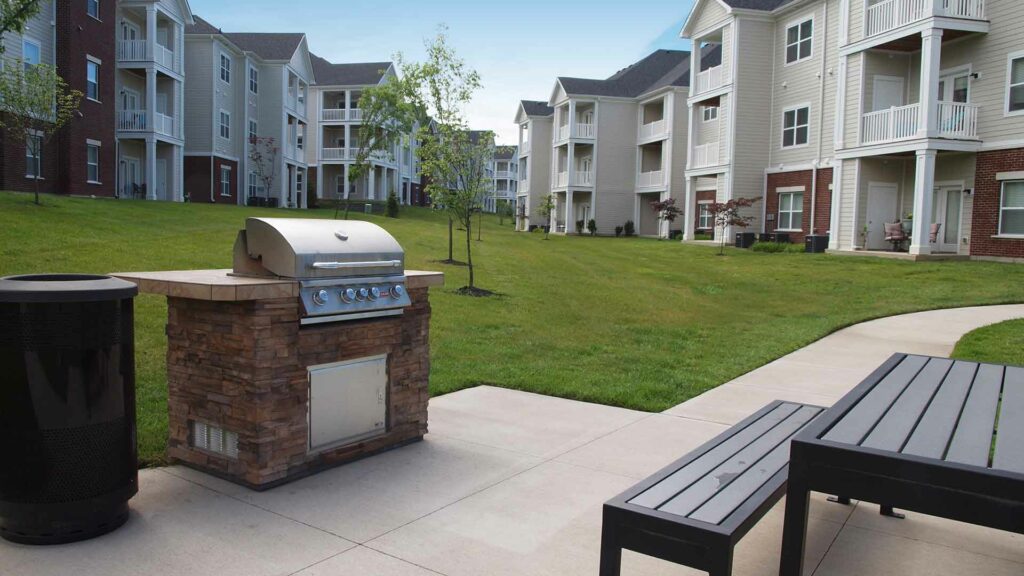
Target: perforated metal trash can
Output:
[{"x": 67, "y": 407}]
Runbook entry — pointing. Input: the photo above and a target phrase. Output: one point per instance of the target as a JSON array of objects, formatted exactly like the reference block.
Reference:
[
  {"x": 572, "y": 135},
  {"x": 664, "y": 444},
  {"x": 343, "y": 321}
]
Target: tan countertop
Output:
[{"x": 220, "y": 285}]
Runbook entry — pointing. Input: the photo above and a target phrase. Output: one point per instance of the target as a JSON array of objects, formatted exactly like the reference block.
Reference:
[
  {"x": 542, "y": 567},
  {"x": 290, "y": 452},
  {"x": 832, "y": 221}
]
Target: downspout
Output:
[
  {"x": 821, "y": 121},
  {"x": 212, "y": 185}
]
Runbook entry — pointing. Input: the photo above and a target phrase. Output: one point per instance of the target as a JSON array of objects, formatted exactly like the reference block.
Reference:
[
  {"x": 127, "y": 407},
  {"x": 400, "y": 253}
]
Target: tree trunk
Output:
[
  {"x": 451, "y": 232},
  {"x": 479, "y": 224},
  {"x": 36, "y": 181},
  {"x": 469, "y": 249}
]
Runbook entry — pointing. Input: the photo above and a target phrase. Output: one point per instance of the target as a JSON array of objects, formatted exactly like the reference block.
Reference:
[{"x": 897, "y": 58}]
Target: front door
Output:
[
  {"x": 946, "y": 214},
  {"x": 882, "y": 207},
  {"x": 955, "y": 88},
  {"x": 130, "y": 177}
]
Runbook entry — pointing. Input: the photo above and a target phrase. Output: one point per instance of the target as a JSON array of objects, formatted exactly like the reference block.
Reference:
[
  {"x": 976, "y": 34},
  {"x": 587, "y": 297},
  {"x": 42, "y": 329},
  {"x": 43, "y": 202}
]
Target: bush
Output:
[
  {"x": 777, "y": 248},
  {"x": 628, "y": 228},
  {"x": 592, "y": 227},
  {"x": 391, "y": 208},
  {"x": 618, "y": 231},
  {"x": 579, "y": 227},
  {"x": 703, "y": 237},
  {"x": 677, "y": 235}
]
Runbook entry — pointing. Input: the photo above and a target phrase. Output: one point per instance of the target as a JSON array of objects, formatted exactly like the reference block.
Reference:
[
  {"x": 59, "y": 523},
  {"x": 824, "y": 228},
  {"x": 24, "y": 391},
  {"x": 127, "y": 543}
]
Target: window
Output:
[
  {"x": 1011, "y": 209},
  {"x": 796, "y": 126},
  {"x": 705, "y": 220},
  {"x": 225, "y": 68},
  {"x": 30, "y": 53},
  {"x": 253, "y": 183},
  {"x": 92, "y": 162},
  {"x": 791, "y": 210},
  {"x": 799, "y": 39},
  {"x": 710, "y": 113},
  {"x": 1015, "y": 88},
  {"x": 253, "y": 132},
  {"x": 254, "y": 80},
  {"x": 92, "y": 8},
  {"x": 225, "y": 125},
  {"x": 225, "y": 180},
  {"x": 34, "y": 156},
  {"x": 92, "y": 80}
]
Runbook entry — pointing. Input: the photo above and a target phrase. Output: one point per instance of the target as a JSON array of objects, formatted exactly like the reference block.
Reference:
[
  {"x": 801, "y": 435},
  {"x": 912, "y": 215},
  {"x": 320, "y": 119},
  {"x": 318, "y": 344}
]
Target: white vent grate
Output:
[{"x": 213, "y": 439}]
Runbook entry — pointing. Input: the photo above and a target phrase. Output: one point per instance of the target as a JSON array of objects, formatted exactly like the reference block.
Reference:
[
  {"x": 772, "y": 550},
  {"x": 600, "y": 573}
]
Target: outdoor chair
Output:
[
  {"x": 895, "y": 235},
  {"x": 933, "y": 233}
]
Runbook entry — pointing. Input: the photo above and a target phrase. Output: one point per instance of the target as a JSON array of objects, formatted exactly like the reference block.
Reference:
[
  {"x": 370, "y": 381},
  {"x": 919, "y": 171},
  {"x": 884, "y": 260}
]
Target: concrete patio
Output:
[{"x": 511, "y": 483}]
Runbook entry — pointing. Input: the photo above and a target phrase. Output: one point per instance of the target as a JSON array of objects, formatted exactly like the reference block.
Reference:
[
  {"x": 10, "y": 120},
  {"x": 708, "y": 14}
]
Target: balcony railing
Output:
[
  {"x": 131, "y": 51},
  {"x": 164, "y": 57},
  {"x": 651, "y": 179},
  {"x": 524, "y": 186},
  {"x": 896, "y": 123},
  {"x": 504, "y": 175},
  {"x": 709, "y": 80},
  {"x": 355, "y": 114},
  {"x": 132, "y": 120},
  {"x": 337, "y": 153},
  {"x": 332, "y": 115},
  {"x": 891, "y": 14},
  {"x": 652, "y": 129},
  {"x": 585, "y": 130},
  {"x": 164, "y": 124},
  {"x": 705, "y": 155},
  {"x": 561, "y": 179},
  {"x": 583, "y": 178},
  {"x": 563, "y": 132},
  {"x": 958, "y": 120}
]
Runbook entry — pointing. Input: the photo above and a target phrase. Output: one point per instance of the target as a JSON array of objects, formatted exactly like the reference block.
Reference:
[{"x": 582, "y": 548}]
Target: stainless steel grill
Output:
[{"x": 346, "y": 269}]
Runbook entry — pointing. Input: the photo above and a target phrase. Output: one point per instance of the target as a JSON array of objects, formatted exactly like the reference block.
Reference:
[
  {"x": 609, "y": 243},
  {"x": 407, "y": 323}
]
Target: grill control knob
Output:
[
  {"x": 320, "y": 297},
  {"x": 397, "y": 291},
  {"x": 363, "y": 294},
  {"x": 374, "y": 293},
  {"x": 348, "y": 295}
]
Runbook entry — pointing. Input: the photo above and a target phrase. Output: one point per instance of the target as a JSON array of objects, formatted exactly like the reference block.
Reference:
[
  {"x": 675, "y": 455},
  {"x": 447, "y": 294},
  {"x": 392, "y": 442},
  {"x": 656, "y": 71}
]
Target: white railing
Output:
[
  {"x": 131, "y": 50},
  {"x": 891, "y": 14},
  {"x": 355, "y": 114},
  {"x": 583, "y": 178},
  {"x": 164, "y": 57},
  {"x": 336, "y": 153},
  {"x": 584, "y": 130},
  {"x": 332, "y": 115},
  {"x": 705, "y": 155},
  {"x": 504, "y": 174},
  {"x": 896, "y": 123},
  {"x": 131, "y": 120},
  {"x": 709, "y": 79},
  {"x": 290, "y": 151},
  {"x": 958, "y": 120},
  {"x": 164, "y": 124},
  {"x": 649, "y": 179},
  {"x": 561, "y": 179},
  {"x": 563, "y": 132},
  {"x": 524, "y": 186},
  {"x": 652, "y": 129}
]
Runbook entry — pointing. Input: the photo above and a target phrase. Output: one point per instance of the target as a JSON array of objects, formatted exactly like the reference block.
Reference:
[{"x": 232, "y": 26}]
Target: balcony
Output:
[
  {"x": 132, "y": 120},
  {"x": 504, "y": 175},
  {"x": 709, "y": 80},
  {"x": 655, "y": 129},
  {"x": 164, "y": 124},
  {"x": 337, "y": 153},
  {"x": 583, "y": 178},
  {"x": 561, "y": 179},
  {"x": 958, "y": 120},
  {"x": 892, "y": 14},
  {"x": 563, "y": 133},
  {"x": 585, "y": 130},
  {"x": 705, "y": 155},
  {"x": 896, "y": 123},
  {"x": 651, "y": 179},
  {"x": 340, "y": 114},
  {"x": 524, "y": 185},
  {"x": 137, "y": 51}
]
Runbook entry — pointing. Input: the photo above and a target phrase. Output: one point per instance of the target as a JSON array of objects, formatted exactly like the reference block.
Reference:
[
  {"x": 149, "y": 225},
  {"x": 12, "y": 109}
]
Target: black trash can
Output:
[
  {"x": 67, "y": 406},
  {"x": 745, "y": 239},
  {"x": 816, "y": 244}
]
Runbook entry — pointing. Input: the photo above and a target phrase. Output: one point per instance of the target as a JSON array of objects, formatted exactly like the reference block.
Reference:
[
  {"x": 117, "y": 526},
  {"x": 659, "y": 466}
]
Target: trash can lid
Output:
[{"x": 64, "y": 288}]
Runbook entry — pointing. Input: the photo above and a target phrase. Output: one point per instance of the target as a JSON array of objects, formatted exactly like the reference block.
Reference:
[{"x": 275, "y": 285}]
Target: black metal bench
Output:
[{"x": 694, "y": 511}]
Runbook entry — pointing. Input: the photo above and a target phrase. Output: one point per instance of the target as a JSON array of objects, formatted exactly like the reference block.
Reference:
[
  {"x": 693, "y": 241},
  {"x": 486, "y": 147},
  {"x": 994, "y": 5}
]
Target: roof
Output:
[
  {"x": 358, "y": 74},
  {"x": 266, "y": 45},
  {"x": 536, "y": 108},
  {"x": 202, "y": 27},
  {"x": 766, "y": 5},
  {"x": 660, "y": 69},
  {"x": 476, "y": 135},
  {"x": 505, "y": 152}
]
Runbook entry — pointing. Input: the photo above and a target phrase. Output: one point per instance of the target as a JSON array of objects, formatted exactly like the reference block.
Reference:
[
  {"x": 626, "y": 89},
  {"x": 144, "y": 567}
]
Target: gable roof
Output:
[
  {"x": 660, "y": 69},
  {"x": 358, "y": 74},
  {"x": 765, "y": 5},
  {"x": 266, "y": 45},
  {"x": 201, "y": 26},
  {"x": 505, "y": 152},
  {"x": 536, "y": 108}
]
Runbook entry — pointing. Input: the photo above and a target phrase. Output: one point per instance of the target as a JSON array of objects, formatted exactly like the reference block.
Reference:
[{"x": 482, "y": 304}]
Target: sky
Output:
[{"x": 519, "y": 48}]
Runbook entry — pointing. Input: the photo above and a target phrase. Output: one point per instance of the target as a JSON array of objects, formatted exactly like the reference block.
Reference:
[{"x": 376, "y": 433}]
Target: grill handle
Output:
[{"x": 352, "y": 265}]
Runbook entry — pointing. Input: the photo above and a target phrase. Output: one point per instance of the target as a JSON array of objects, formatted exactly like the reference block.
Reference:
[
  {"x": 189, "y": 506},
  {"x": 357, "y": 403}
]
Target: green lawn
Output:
[
  {"x": 638, "y": 323},
  {"x": 1001, "y": 343}
]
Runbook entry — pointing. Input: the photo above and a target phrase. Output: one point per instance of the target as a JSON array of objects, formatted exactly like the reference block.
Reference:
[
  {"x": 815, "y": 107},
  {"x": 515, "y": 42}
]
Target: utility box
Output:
[
  {"x": 745, "y": 239},
  {"x": 816, "y": 244}
]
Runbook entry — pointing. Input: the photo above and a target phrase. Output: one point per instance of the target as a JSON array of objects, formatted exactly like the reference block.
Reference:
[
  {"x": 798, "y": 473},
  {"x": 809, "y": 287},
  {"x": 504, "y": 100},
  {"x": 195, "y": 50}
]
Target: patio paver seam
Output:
[{"x": 835, "y": 538}]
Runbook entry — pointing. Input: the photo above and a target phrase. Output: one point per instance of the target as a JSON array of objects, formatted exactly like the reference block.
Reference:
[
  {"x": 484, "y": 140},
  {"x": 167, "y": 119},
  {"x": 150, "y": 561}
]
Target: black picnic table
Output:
[{"x": 930, "y": 435}]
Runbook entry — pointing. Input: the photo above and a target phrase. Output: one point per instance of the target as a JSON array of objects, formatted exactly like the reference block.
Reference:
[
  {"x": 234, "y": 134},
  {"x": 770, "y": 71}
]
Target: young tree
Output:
[
  {"x": 666, "y": 210},
  {"x": 14, "y": 14},
  {"x": 725, "y": 214},
  {"x": 545, "y": 210},
  {"x": 35, "y": 103},
  {"x": 263, "y": 151}
]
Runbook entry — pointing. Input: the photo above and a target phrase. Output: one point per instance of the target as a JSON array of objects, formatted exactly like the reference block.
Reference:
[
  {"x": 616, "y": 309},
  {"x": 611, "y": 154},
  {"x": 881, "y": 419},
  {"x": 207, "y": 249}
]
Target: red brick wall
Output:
[
  {"x": 987, "y": 197},
  {"x": 12, "y": 168},
  {"x": 78, "y": 35},
  {"x": 823, "y": 200},
  {"x": 198, "y": 182}
]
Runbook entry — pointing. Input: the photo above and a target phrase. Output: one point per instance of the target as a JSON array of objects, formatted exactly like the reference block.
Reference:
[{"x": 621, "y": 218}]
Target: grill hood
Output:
[{"x": 309, "y": 249}]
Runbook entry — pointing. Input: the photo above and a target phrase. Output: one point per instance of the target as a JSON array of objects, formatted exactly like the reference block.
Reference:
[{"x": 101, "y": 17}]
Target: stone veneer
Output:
[{"x": 241, "y": 366}]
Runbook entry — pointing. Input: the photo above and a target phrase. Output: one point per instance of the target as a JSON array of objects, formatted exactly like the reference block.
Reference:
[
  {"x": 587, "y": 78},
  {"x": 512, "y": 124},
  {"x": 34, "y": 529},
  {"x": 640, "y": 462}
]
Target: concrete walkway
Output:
[{"x": 511, "y": 483}]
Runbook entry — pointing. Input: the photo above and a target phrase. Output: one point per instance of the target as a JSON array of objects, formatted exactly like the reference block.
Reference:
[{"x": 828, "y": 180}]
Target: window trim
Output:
[
  {"x": 34, "y": 42},
  {"x": 790, "y": 192},
  {"x": 225, "y": 169},
  {"x": 89, "y": 59},
  {"x": 224, "y": 58},
  {"x": 1007, "y": 113},
  {"x": 253, "y": 69},
  {"x": 37, "y": 161},
  {"x": 798, "y": 23},
  {"x": 701, "y": 204},
  {"x": 254, "y": 130},
  {"x": 796, "y": 126},
  {"x": 704, "y": 112},
  {"x": 999, "y": 226},
  {"x": 89, "y": 144},
  {"x": 221, "y": 124},
  {"x": 94, "y": 16}
]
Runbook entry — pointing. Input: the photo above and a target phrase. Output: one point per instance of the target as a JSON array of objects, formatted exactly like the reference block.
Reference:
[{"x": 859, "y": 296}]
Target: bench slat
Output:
[
  {"x": 899, "y": 421},
  {"x": 855, "y": 425},
  {"x": 933, "y": 434},
  {"x": 972, "y": 440},
  {"x": 1010, "y": 435},
  {"x": 735, "y": 467},
  {"x": 678, "y": 481},
  {"x": 728, "y": 499}
]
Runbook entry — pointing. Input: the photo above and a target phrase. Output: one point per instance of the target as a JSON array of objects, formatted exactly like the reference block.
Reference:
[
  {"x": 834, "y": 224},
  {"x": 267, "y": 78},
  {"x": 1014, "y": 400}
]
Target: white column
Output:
[
  {"x": 151, "y": 31},
  {"x": 150, "y": 99},
  {"x": 570, "y": 216},
  {"x": 305, "y": 187},
  {"x": 689, "y": 211},
  {"x": 348, "y": 106},
  {"x": 694, "y": 67},
  {"x": 344, "y": 178},
  {"x": 837, "y": 198},
  {"x": 924, "y": 190},
  {"x": 151, "y": 167},
  {"x": 570, "y": 163},
  {"x": 179, "y": 174},
  {"x": 371, "y": 193},
  {"x": 572, "y": 118},
  {"x": 931, "y": 59},
  {"x": 320, "y": 181}
]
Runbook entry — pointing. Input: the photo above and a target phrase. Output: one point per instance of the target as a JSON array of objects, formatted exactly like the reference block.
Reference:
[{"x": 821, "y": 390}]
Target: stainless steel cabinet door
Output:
[{"x": 347, "y": 402}]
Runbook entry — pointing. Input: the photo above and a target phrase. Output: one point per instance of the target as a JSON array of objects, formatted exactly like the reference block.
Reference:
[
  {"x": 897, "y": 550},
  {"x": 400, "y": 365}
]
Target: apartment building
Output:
[
  {"x": 505, "y": 168},
  {"x": 76, "y": 38},
  {"x": 337, "y": 133},
  {"x": 244, "y": 86},
  {"x": 615, "y": 143},
  {"x": 534, "y": 119},
  {"x": 880, "y": 112},
  {"x": 150, "y": 85}
]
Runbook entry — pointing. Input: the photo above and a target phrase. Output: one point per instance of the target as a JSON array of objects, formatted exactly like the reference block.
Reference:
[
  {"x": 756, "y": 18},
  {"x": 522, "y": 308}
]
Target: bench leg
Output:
[
  {"x": 890, "y": 512},
  {"x": 723, "y": 564},
  {"x": 839, "y": 500},
  {"x": 794, "y": 531},
  {"x": 611, "y": 550}
]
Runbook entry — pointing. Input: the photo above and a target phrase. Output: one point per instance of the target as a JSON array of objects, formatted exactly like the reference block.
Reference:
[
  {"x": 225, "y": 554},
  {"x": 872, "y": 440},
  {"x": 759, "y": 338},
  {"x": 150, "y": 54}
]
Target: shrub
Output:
[
  {"x": 777, "y": 248},
  {"x": 677, "y": 235},
  {"x": 618, "y": 231},
  {"x": 703, "y": 237},
  {"x": 628, "y": 228},
  {"x": 579, "y": 227},
  {"x": 592, "y": 227},
  {"x": 391, "y": 209}
]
